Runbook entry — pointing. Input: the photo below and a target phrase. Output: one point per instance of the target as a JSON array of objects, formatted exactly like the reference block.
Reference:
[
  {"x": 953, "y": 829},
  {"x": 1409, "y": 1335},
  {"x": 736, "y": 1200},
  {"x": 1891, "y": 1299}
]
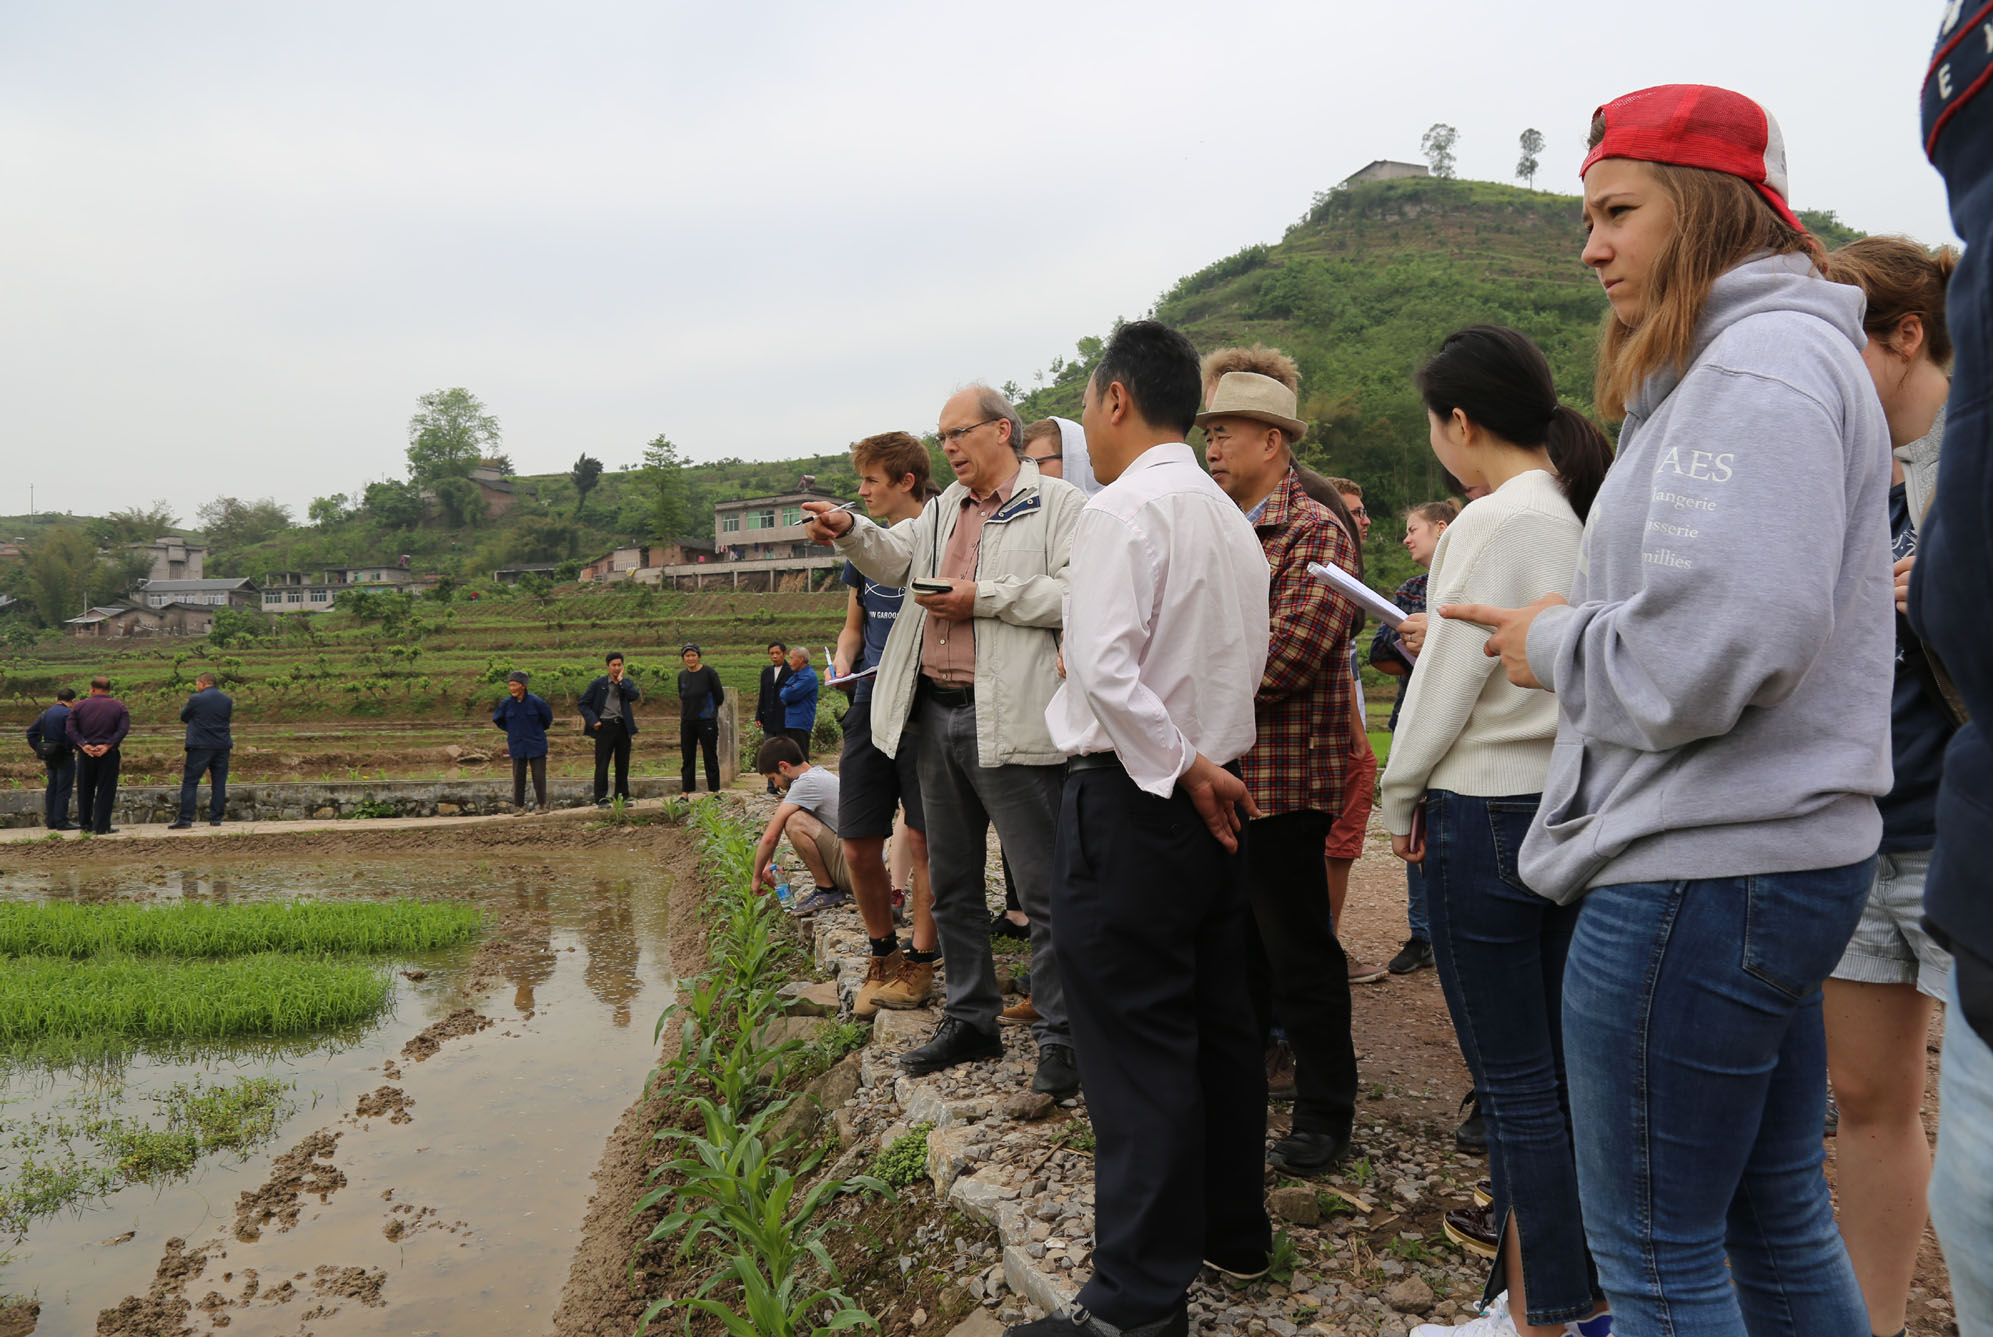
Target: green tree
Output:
[
  {"x": 326, "y": 512},
  {"x": 587, "y": 472},
  {"x": 233, "y": 626},
  {"x": 663, "y": 487},
  {"x": 57, "y": 573},
  {"x": 462, "y": 502},
  {"x": 449, "y": 434},
  {"x": 135, "y": 525},
  {"x": 1437, "y": 145},
  {"x": 394, "y": 504},
  {"x": 231, "y": 523},
  {"x": 1532, "y": 144}
]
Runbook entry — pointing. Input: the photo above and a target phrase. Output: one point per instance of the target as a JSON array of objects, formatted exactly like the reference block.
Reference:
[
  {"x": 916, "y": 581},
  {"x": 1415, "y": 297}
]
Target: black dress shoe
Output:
[
  {"x": 214, "y": 821},
  {"x": 1079, "y": 1323},
  {"x": 1058, "y": 1074},
  {"x": 181, "y": 826},
  {"x": 105, "y": 831},
  {"x": 1307, "y": 1154},
  {"x": 954, "y": 1041},
  {"x": 1472, "y": 1134}
]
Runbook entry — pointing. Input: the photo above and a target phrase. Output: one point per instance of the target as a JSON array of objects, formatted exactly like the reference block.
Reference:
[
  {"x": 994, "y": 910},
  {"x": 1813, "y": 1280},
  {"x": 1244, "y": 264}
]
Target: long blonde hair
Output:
[{"x": 1719, "y": 220}]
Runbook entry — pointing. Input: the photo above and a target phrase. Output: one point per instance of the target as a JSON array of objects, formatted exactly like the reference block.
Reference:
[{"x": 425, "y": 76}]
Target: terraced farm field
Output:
[{"x": 322, "y": 697}]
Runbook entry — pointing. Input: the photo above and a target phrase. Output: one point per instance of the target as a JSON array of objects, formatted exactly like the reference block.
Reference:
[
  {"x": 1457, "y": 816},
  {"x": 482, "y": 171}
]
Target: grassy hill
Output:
[{"x": 1364, "y": 286}]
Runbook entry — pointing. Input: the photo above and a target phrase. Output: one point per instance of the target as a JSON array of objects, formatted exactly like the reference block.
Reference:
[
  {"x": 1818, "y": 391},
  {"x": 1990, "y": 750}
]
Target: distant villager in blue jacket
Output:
[
  {"x": 525, "y": 718},
  {"x": 206, "y": 715},
  {"x": 49, "y": 737},
  {"x": 799, "y": 700}
]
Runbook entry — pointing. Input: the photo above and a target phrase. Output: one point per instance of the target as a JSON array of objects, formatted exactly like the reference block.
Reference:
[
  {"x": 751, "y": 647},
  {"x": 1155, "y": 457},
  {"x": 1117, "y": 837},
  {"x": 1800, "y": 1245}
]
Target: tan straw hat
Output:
[{"x": 1247, "y": 394}]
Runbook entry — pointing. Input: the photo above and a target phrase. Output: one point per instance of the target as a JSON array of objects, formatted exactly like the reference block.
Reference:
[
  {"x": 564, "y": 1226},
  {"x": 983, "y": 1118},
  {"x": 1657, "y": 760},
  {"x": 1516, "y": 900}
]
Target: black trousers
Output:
[
  {"x": 612, "y": 740},
  {"x": 538, "y": 765},
  {"x": 1152, "y": 946},
  {"x": 1299, "y": 968},
  {"x": 61, "y": 784},
  {"x": 694, "y": 737},
  {"x": 96, "y": 789},
  {"x": 801, "y": 738},
  {"x": 213, "y": 763}
]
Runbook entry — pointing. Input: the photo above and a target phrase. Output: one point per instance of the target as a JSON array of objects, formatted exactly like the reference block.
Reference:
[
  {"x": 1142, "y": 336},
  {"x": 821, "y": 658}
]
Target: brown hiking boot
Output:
[
  {"x": 909, "y": 988},
  {"x": 1020, "y": 1013},
  {"x": 878, "y": 976}
]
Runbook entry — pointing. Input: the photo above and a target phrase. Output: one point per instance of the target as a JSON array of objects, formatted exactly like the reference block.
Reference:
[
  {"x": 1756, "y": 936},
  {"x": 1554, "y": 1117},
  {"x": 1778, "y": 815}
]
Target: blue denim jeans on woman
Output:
[
  {"x": 1698, "y": 1074},
  {"x": 1499, "y": 949}
]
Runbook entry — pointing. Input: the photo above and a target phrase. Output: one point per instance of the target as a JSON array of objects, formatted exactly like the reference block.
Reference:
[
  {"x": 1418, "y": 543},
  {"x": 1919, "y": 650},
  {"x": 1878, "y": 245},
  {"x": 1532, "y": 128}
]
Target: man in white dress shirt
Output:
[{"x": 1166, "y": 643}]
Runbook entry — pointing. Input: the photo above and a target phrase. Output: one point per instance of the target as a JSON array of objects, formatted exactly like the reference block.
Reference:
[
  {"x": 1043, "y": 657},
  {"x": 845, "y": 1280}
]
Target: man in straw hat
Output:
[{"x": 1296, "y": 768}]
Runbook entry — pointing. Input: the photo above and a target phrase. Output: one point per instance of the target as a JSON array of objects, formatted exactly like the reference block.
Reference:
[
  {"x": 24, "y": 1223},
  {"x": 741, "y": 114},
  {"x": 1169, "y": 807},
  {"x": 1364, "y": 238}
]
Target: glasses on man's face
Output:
[
  {"x": 957, "y": 433},
  {"x": 1042, "y": 459},
  {"x": 1359, "y": 512}
]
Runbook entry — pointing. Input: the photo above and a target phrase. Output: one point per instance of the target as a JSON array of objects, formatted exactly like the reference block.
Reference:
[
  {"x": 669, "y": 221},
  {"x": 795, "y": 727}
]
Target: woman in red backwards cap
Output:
[{"x": 1722, "y": 671}]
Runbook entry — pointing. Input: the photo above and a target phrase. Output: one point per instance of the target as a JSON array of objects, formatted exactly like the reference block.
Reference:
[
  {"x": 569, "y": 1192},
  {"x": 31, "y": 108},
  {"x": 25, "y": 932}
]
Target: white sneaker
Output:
[{"x": 1492, "y": 1321}]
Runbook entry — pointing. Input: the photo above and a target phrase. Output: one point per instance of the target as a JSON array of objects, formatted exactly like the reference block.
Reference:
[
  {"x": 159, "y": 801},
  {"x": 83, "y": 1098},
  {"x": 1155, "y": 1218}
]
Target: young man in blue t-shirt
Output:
[{"x": 894, "y": 481}]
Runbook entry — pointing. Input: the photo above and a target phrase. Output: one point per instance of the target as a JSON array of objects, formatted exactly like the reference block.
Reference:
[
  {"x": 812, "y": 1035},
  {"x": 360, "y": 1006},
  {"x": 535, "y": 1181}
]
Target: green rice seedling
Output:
[
  {"x": 200, "y": 1120},
  {"x": 76, "y": 932},
  {"x": 53, "y": 1008}
]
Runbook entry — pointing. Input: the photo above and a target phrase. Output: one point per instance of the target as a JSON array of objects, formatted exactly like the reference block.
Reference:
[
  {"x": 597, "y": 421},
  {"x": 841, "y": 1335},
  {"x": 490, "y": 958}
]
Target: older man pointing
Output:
[{"x": 968, "y": 669}]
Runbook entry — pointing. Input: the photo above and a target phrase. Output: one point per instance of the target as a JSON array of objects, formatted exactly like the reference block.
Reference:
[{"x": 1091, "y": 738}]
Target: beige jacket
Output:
[{"x": 1020, "y": 594}]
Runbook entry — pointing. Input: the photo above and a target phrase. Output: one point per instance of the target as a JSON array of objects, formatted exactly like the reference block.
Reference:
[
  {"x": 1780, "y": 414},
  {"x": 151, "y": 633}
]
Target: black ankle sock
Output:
[
  {"x": 922, "y": 958},
  {"x": 884, "y": 946}
]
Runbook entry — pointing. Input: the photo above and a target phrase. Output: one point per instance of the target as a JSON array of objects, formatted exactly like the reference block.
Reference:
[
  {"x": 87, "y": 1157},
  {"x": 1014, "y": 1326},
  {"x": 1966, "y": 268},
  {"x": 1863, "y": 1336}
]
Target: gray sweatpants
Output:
[{"x": 962, "y": 798}]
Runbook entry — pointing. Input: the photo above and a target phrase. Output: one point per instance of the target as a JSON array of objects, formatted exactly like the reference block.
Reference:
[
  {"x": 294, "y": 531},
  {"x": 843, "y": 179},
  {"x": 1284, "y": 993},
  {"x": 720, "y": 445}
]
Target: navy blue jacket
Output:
[
  {"x": 525, "y": 723},
  {"x": 206, "y": 716},
  {"x": 768, "y": 707},
  {"x": 799, "y": 699},
  {"x": 51, "y": 728},
  {"x": 597, "y": 696},
  {"x": 1955, "y": 546}
]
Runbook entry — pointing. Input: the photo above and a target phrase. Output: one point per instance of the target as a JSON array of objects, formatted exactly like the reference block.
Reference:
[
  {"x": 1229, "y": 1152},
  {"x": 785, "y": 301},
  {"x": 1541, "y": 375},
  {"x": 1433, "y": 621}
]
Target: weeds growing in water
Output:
[
  {"x": 75, "y": 932},
  {"x": 44, "y": 1166},
  {"x": 727, "y": 1188}
]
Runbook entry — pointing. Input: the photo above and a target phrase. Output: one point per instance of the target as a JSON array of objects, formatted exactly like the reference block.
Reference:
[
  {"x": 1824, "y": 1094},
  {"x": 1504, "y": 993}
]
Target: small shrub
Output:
[{"x": 904, "y": 1163}]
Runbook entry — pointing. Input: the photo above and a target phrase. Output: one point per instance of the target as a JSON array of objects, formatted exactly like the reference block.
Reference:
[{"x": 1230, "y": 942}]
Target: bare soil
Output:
[
  {"x": 304, "y": 1169},
  {"x": 464, "y": 1021}
]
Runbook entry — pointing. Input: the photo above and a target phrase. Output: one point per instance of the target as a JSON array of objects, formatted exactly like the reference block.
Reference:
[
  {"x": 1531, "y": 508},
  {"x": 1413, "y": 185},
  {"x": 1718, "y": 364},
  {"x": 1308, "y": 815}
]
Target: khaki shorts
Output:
[{"x": 832, "y": 851}]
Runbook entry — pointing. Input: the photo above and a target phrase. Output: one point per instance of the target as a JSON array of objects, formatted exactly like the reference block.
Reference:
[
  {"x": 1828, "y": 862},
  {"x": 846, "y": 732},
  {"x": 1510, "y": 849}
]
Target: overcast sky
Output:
[{"x": 241, "y": 239}]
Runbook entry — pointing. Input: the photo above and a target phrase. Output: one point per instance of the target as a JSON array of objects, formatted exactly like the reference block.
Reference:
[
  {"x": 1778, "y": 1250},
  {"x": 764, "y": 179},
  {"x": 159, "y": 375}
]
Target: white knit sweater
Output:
[{"x": 1464, "y": 726}]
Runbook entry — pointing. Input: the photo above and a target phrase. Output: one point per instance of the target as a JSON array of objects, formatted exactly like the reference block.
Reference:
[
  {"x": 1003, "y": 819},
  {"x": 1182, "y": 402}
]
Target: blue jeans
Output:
[
  {"x": 1698, "y": 1075},
  {"x": 55, "y": 799},
  {"x": 1416, "y": 918},
  {"x": 204, "y": 761},
  {"x": 1499, "y": 949},
  {"x": 1961, "y": 1203}
]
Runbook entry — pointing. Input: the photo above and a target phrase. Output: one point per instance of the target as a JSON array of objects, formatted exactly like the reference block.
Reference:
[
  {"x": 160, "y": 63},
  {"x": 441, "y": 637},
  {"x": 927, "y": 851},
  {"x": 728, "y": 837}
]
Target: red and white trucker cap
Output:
[{"x": 1698, "y": 125}]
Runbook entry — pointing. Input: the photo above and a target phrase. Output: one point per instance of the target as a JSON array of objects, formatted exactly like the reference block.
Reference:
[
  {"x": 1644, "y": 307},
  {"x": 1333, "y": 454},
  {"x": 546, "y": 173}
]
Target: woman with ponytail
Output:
[
  {"x": 1879, "y": 998},
  {"x": 1722, "y": 676},
  {"x": 1466, "y": 771}
]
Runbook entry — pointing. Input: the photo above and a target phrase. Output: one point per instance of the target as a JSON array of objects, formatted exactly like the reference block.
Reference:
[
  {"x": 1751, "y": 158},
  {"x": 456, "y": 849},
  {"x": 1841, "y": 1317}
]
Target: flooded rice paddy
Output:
[{"x": 450, "y": 1205}]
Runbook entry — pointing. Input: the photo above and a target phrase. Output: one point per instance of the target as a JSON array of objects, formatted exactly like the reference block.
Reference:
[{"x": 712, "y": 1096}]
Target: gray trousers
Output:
[{"x": 962, "y": 798}]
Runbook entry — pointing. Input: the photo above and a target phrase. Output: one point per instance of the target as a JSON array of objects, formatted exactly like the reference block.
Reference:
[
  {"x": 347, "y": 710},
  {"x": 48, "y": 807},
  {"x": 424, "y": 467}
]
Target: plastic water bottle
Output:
[{"x": 781, "y": 882}]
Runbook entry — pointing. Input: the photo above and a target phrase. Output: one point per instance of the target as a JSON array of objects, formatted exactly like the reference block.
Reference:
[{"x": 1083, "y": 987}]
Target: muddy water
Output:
[{"x": 470, "y": 1207}]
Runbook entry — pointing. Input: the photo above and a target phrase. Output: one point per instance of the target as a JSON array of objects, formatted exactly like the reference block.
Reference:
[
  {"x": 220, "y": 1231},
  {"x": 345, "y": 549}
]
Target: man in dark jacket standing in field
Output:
[
  {"x": 768, "y": 706},
  {"x": 97, "y": 725},
  {"x": 206, "y": 716},
  {"x": 609, "y": 716},
  {"x": 49, "y": 737},
  {"x": 700, "y": 696},
  {"x": 525, "y": 718}
]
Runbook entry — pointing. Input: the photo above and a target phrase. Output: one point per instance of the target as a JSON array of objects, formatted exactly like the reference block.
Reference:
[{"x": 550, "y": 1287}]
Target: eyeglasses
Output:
[
  {"x": 956, "y": 434},
  {"x": 1359, "y": 512},
  {"x": 1040, "y": 459}
]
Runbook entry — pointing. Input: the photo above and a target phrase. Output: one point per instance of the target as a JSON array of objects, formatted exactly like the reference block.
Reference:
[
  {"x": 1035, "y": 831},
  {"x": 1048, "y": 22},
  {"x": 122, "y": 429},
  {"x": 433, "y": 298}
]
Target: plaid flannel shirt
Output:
[{"x": 1304, "y": 700}]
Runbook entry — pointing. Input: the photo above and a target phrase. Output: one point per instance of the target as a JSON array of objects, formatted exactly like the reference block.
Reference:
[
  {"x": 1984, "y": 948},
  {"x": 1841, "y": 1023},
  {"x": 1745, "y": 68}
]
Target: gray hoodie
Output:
[{"x": 1723, "y": 669}]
